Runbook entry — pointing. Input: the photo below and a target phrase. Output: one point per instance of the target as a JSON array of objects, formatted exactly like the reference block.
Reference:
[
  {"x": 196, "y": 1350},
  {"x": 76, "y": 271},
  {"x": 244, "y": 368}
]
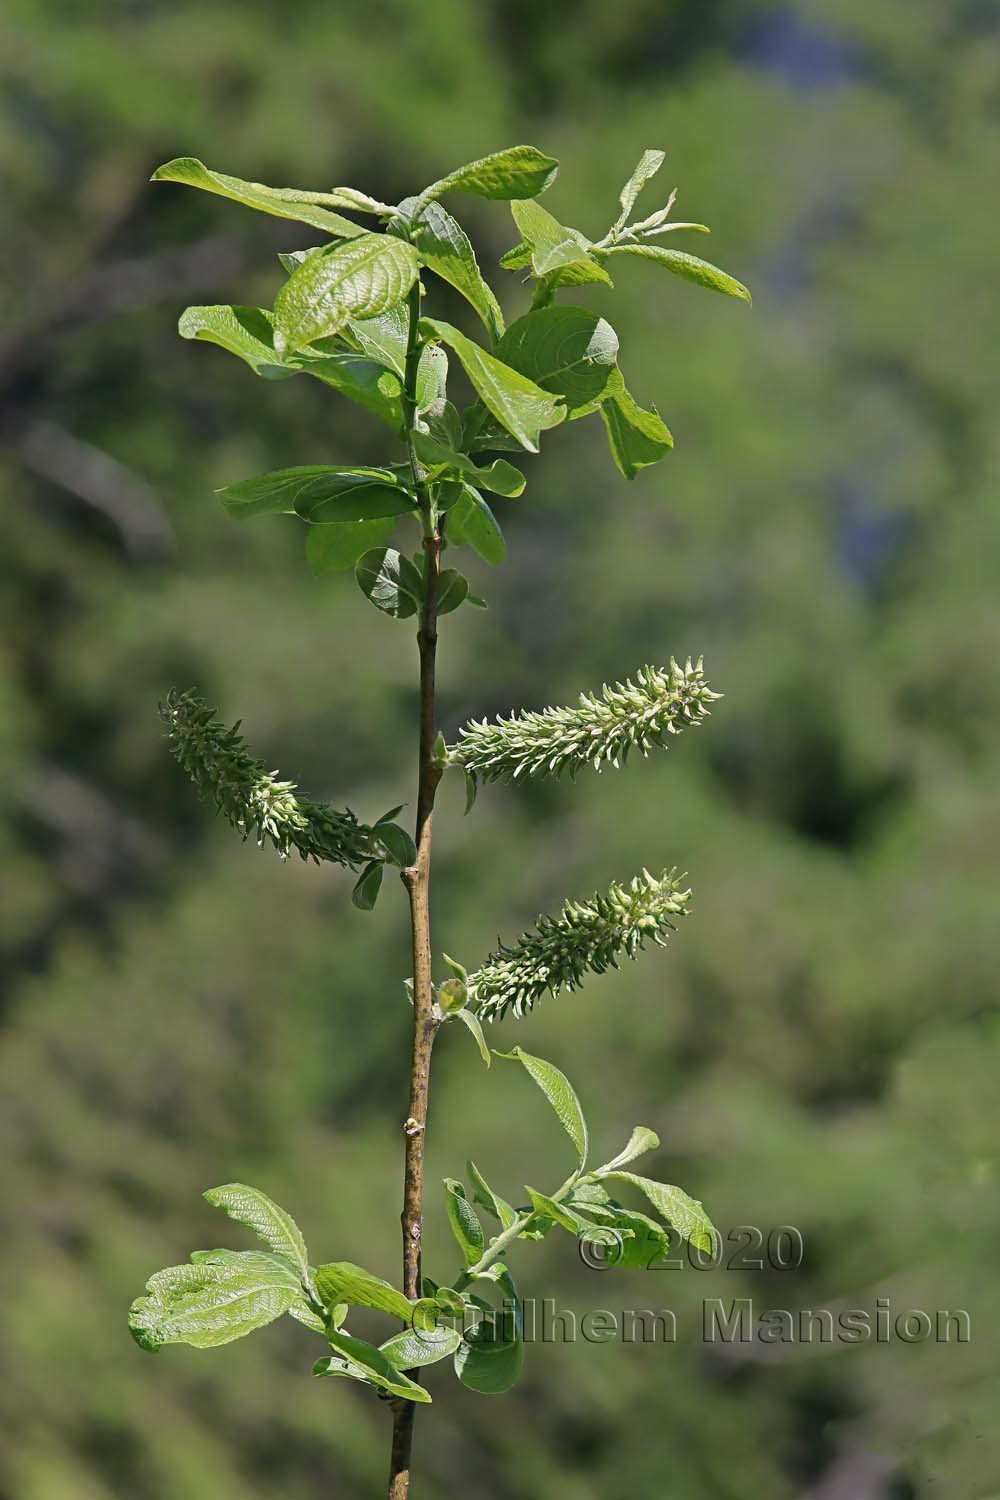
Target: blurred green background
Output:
[{"x": 820, "y": 1044}]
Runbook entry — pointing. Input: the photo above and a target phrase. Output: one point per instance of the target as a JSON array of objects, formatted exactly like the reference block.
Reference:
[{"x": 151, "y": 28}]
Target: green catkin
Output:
[
  {"x": 252, "y": 799},
  {"x": 586, "y": 937},
  {"x": 600, "y": 731}
]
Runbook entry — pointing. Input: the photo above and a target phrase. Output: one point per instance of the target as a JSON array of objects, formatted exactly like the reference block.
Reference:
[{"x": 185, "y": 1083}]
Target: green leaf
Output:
[
  {"x": 453, "y": 587},
  {"x": 458, "y": 970},
  {"x": 438, "y": 458},
  {"x": 471, "y": 779},
  {"x": 553, "y": 245},
  {"x": 589, "y": 1193},
  {"x": 333, "y": 549},
  {"x": 243, "y": 331},
  {"x": 382, "y": 338},
  {"x": 357, "y": 279},
  {"x": 649, "y": 164},
  {"x": 637, "y": 437},
  {"x": 254, "y": 1209},
  {"x": 560, "y": 1093},
  {"x": 359, "y": 1360},
  {"x": 414, "y": 1348},
  {"x": 369, "y": 883},
  {"x": 301, "y": 1310},
  {"x": 518, "y": 257},
  {"x": 390, "y": 581},
  {"x": 683, "y": 1213},
  {"x": 566, "y": 350},
  {"x": 446, "y": 1298},
  {"x": 319, "y": 493},
  {"x": 247, "y": 332},
  {"x": 342, "y": 1281},
  {"x": 521, "y": 406},
  {"x": 465, "y": 1225},
  {"x": 490, "y": 1357},
  {"x": 548, "y": 1208},
  {"x": 688, "y": 266},
  {"x": 472, "y": 521},
  {"x": 632, "y": 1240},
  {"x": 342, "y": 495},
  {"x": 284, "y": 203},
  {"x": 397, "y": 843},
  {"x": 484, "y": 1195},
  {"x": 214, "y": 1300},
  {"x": 517, "y": 172},
  {"x": 471, "y": 1021},
  {"x": 640, "y": 1141},
  {"x": 445, "y": 248},
  {"x": 577, "y": 273}
]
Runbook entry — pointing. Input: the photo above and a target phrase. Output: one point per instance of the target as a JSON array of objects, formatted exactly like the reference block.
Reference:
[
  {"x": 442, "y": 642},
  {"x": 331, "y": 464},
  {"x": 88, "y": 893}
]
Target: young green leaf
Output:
[
  {"x": 453, "y": 588},
  {"x": 445, "y": 248},
  {"x": 438, "y": 458},
  {"x": 356, "y": 279},
  {"x": 213, "y": 1301},
  {"x": 369, "y": 883},
  {"x": 517, "y": 172},
  {"x": 631, "y": 1239},
  {"x": 254, "y": 1209},
  {"x": 637, "y": 437},
  {"x": 397, "y": 843},
  {"x": 359, "y": 1360},
  {"x": 459, "y": 971},
  {"x": 681, "y": 1212},
  {"x": 566, "y": 350},
  {"x": 518, "y": 257},
  {"x": 390, "y": 581},
  {"x": 548, "y": 1208},
  {"x": 472, "y": 521},
  {"x": 342, "y": 1281},
  {"x": 490, "y": 1357},
  {"x": 362, "y": 203},
  {"x": 334, "y": 549},
  {"x": 639, "y": 1142},
  {"x": 415, "y": 1347},
  {"x": 484, "y": 1195},
  {"x": 464, "y": 1221},
  {"x": 521, "y": 406},
  {"x": 688, "y": 266},
  {"x": 284, "y": 203},
  {"x": 553, "y": 245},
  {"x": 649, "y": 164},
  {"x": 560, "y": 1093},
  {"x": 471, "y": 1021}
]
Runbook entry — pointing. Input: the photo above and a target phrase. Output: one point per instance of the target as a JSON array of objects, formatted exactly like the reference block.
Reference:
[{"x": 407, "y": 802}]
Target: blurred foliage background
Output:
[{"x": 820, "y": 1044}]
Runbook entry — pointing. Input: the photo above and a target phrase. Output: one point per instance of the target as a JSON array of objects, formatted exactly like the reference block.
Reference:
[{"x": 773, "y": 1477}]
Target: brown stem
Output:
[{"x": 417, "y": 882}]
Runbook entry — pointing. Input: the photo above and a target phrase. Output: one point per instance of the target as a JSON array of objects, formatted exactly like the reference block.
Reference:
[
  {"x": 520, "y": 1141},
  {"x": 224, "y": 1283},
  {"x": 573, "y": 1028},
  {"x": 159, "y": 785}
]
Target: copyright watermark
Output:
[{"x": 743, "y": 1248}]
